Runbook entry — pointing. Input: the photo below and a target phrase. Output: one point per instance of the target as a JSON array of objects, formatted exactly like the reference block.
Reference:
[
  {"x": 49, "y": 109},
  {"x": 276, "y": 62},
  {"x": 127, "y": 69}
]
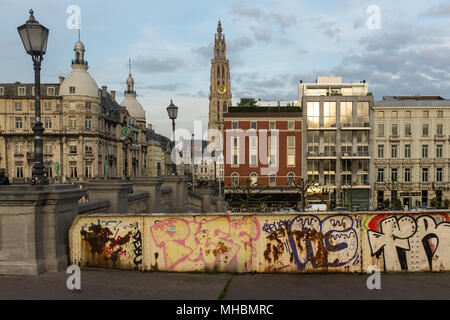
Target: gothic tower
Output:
[{"x": 220, "y": 89}]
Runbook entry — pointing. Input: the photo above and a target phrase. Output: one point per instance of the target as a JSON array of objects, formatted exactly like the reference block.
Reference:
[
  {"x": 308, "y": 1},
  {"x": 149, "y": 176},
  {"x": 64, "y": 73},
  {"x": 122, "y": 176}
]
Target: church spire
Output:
[
  {"x": 130, "y": 81},
  {"x": 219, "y": 27}
]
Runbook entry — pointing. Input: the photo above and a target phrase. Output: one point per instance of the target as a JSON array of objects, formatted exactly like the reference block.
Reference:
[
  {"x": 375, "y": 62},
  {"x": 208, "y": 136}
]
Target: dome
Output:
[
  {"x": 83, "y": 83},
  {"x": 79, "y": 46},
  {"x": 133, "y": 107}
]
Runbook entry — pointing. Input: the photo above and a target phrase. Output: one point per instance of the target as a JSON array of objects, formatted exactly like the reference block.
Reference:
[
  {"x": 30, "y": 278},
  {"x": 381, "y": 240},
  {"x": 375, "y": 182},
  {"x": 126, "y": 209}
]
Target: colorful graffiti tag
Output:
[
  {"x": 219, "y": 244},
  {"x": 330, "y": 242},
  {"x": 411, "y": 243}
]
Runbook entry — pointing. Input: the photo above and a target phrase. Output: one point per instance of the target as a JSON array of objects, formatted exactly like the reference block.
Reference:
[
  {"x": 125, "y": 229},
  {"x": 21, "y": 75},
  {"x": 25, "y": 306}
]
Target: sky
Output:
[{"x": 399, "y": 48}]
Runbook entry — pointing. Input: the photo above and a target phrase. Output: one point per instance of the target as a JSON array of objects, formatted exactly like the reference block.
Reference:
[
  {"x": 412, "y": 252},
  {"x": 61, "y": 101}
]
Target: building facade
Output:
[
  {"x": 264, "y": 145},
  {"x": 412, "y": 150},
  {"x": 87, "y": 133},
  {"x": 338, "y": 141}
]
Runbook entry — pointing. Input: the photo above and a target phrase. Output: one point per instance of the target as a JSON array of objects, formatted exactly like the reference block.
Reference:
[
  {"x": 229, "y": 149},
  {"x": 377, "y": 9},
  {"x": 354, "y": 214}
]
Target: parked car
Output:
[
  {"x": 422, "y": 208},
  {"x": 287, "y": 210},
  {"x": 316, "y": 207},
  {"x": 340, "y": 209},
  {"x": 394, "y": 209}
]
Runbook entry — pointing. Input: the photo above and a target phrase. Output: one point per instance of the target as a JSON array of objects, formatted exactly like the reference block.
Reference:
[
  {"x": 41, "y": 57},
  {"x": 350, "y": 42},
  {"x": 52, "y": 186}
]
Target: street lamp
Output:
[
  {"x": 34, "y": 37},
  {"x": 172, "y": 110}
]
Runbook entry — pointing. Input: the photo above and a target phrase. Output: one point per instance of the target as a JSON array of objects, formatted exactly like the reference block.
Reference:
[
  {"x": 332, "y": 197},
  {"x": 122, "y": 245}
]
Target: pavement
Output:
[{"x": 123, "y": 285}]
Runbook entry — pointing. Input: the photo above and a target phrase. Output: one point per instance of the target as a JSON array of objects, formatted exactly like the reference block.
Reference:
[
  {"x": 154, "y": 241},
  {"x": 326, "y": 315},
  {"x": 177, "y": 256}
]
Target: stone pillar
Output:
[
  {"x": 153, "y": 186},
  {"x": 114, "y": 190},
  {"x": 179, "y": 199},
  {"x": 34, "y": 225}
]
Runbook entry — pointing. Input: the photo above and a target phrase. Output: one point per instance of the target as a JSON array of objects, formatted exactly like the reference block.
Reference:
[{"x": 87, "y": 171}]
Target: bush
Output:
[
  {"x": 433, "y": 203},
  {"x": 387, "y": 203},
  {"x": 446, "y": 203}
]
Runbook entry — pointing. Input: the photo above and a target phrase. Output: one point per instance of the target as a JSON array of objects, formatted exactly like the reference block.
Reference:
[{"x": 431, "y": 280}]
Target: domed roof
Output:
[
  {"x": 79, "y": 46},
  {"x": 133, "y": 107},
  {"x": 84, "y": 84}
]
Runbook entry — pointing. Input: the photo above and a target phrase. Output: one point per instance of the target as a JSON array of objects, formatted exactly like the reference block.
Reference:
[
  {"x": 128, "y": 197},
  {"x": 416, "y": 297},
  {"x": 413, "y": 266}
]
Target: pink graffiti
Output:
[{"x": 220, "y": 241}]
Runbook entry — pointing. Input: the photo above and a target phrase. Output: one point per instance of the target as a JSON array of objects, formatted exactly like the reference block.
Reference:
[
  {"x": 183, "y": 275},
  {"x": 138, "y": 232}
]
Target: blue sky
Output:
[{"x": 271, "y": 46}]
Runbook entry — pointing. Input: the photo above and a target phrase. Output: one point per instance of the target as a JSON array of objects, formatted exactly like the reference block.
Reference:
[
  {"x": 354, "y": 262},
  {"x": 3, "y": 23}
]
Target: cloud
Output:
[
  {"x": 199, "y": 94},
  {"x": 154, "y": 65},
  {"x": 438, "y": 11},
  {"x": 162, "y": 87}
]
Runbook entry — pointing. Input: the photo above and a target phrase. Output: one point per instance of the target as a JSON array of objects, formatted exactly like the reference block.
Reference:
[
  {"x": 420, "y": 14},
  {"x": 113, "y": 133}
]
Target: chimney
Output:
[
  {"x": 104, "y": 88},
  {"x": 113, "y": 95},
  {"x": 61, "y": 79}
]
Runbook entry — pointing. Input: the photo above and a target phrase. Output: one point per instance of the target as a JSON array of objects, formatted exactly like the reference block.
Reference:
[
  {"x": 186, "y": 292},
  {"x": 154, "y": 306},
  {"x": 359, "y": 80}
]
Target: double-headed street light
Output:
[
  {"x": 34, "y": 37},
  {"x": 172, "y": 110}
]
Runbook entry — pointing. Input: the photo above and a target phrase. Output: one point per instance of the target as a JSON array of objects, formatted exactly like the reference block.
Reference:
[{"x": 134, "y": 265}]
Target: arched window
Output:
[
  {"x": 291, "y": 178},
  {"x": 235, "y": 179},
  {"x": 272, "y": 179},
  {"x": 224, "y": 106},
  {"x": 218, "y": 111},
  {"x": 223, "y": 72},
  {"x": 253, "y": 178},
  {"x": 218, "y": 72}
]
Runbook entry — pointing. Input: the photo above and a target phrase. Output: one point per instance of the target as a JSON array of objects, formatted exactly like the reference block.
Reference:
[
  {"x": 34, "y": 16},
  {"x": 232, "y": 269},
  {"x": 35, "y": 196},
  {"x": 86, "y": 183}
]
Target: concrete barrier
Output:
[{"x": 319, "y": 242}]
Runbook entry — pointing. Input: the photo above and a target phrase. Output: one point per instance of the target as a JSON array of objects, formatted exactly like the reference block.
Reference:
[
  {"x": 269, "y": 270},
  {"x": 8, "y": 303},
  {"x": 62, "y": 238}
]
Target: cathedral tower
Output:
[{"x": 220, "y": 89}]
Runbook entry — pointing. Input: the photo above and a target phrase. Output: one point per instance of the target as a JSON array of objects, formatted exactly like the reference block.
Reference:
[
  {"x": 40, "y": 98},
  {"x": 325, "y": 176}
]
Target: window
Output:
[
  {"x": 19, "y": 148},
  {"x": 21, "y": 91},
  {"x": 329, "y": 139},
  {"x": 394, "y": 114},
  {"x": 362, "y": 114},
  {"x": 440, "y": 114},
  {"x": 253, "y": 125},
  {"x": 17, "y": 106},
  {"x": 19, "y": 171},
  {"x": 407, "y": 114},
  {"x": 394, "y": 174},
  {"x": 235, "y": 179},
  {"x": 381, "y": 151},
  {"x": 272, "y": 125},
  {"x": 234, "y": 125},
  {"x": 272, "y": 179},
  {"x": 425, "y": 130},
  {"x": 32, "y": 106},
  {"x": 439, "y": 174},
  {"x": 290, "y": 125},
  {"x": 47, "y": 106},
  {"x": 439, "y": 148},
  {"x": 313, "y": 170},
  {"x": 72, "y": 89},
  {"x": 329, "y": 172},
  {"x": 407, "y": 175},
  {"x": 48, "y": 123},
  {"x": 253, "y": 152},
  {"x": 88, "y": 171},
  {"x": 72, "y": 122},
  {"x": 33, "y": 91},
  {"x": 313, "y": 114},
  {"x": 51, "y": 91},
  {"x": 329, "y": 114},
  {"x": 380, "y": 114},
  {"x": 49, "y": 172},
  {"x": 73, "y": 169},
  {"x": 2, "y": 91},
  {"x": 426, "y": 114},
  {"x": 291, "y": 151},
  {"x": 395, "y": 129},
  {"x": 72, "y": 146},
  {"x": 346, "y": 114},
  {"x": 18, "y": 123},
  {"x": 253, "y": 178},
  {"x": 394, "y": 151},
  {"x": 291, "y": 178},
  {"x": 408, "y": 129},
  {"x": 424, "y": 174},
  {"x": 440, "y": 129},
  {"x": 380, "y": 177},
  {"x": 235, "y": 152},
  {"x": 87, "y": 104},
  {"x": 273, "y": 150},
  {"x": 313, "y": 143},
  {"x": 424, "y": 151},
  {"x": 407, "y": 151},
  {"x": 48, "y": 148},
  {"x": 88, "y": 147},
  {"x": 381, "y": 129},
  {"x": 87, "y": 123}
]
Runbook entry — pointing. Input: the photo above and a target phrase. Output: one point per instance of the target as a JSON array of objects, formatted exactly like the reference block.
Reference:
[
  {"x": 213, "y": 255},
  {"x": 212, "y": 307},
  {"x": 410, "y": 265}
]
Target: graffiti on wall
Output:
[
  {"x": 221, "y": 244},
  {"x": 410, "y": 243},
  {"x": 109, "y": 240},
  {"x": 313, "y": 242}
]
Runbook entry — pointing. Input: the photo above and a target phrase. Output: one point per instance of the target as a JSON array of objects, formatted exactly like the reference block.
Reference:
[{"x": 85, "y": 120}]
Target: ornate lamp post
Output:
[
  {"x": 172, "y": 110},
  {"x": 34, "y": 38}
]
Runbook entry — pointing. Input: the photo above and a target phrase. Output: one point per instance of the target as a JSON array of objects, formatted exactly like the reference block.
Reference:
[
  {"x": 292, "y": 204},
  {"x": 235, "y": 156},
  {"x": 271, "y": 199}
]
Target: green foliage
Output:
[
  {"x": 446, "y": 203},
  {"x": 247, "y": 102},
  {"x": 387, "y": 203},
  {"x": 433, "y": 203},
  {"x": 397, "y": 203}
]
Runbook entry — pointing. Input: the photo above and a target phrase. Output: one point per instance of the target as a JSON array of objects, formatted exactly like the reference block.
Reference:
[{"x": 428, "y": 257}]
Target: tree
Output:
[
  {"x": 349, "y": 186},
  {"x": 302, "y": 187},
  {"x": 248, "y": 102},
  {"x": 248, "y": 193}
]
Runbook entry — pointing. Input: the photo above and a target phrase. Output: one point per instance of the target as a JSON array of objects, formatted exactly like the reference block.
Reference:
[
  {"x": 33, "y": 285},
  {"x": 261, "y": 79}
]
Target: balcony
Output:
[
  {"x": 355, "y": 155},
  {"x": 439, "y": 137},
  {"x": 322, "y": 155},
  {"x": 394, "y": 138}
]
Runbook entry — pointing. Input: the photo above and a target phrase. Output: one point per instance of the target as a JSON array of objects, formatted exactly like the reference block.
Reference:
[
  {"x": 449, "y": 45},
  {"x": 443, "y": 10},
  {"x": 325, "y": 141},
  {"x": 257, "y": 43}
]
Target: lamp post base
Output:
[{"x": 39, "y": 180}]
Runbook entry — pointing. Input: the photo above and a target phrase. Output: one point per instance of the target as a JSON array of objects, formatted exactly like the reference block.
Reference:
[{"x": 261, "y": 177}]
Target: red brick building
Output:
[{"x": 264, "y": 145}]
